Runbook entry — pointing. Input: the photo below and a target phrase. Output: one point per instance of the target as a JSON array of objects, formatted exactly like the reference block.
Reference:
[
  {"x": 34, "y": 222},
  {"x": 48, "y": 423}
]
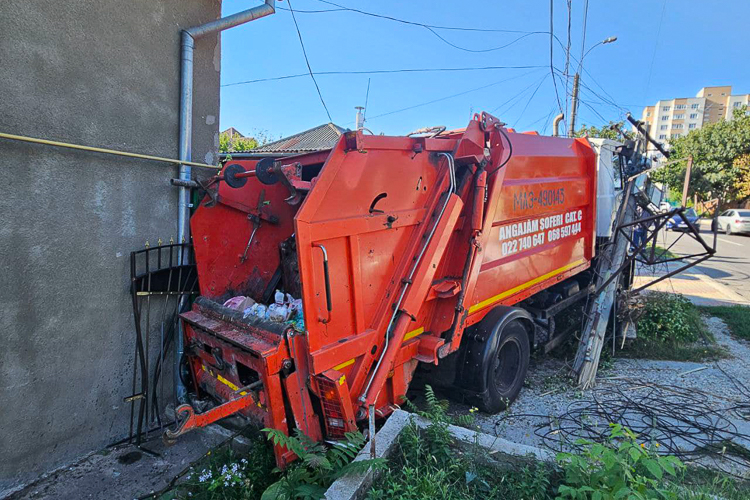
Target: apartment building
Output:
[{"x": 668, "y": 119}]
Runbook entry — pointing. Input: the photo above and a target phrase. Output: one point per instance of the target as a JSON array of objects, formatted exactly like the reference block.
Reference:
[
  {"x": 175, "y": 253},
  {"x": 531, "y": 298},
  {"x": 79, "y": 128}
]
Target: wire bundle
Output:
[{"x": 686, "y": 423}]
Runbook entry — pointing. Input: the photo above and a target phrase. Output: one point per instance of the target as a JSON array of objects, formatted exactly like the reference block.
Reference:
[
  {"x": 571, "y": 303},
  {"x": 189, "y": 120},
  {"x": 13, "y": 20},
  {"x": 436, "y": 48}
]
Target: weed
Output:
[
  {"x": 228, "y": 475},
  {"x": 618, "y": 468}
]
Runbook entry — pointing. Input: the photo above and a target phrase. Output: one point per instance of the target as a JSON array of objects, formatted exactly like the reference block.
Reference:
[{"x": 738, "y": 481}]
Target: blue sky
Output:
[{"x": 699, "y": 44}]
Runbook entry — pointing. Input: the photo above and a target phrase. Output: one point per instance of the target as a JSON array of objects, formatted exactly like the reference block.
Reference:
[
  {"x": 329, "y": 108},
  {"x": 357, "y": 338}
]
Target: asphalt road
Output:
[{"x": 731, "y": 263}]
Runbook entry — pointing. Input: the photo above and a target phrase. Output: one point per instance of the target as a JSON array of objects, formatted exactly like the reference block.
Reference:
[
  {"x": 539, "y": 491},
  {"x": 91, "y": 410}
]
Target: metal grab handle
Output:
[{"x": 327, "y": 279}]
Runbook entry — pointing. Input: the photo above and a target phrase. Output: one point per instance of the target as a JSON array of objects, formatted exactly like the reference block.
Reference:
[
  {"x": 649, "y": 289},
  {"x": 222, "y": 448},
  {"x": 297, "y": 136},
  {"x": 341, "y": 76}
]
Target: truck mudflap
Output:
[{"x": 244, "y": 366}]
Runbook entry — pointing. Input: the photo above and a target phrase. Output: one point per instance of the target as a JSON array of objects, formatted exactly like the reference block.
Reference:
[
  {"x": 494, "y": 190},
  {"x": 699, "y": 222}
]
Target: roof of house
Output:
[
  {"x": 231, "y": 132},
  {"x": 316, "y": 139}
]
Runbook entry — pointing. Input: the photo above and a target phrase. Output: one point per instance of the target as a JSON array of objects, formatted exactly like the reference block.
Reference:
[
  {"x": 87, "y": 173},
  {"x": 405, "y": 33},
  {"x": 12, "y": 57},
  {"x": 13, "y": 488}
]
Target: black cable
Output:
[
  {"x": 381, "y": 71},
  {"x": 685, "y": 422},
  {"x": 307, "y": 61},
  {"x": 510, "y": 152}
]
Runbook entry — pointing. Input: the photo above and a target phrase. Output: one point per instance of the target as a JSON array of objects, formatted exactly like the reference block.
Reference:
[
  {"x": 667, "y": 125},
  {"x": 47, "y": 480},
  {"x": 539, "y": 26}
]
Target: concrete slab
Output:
[{"x": 124, "y": 471}]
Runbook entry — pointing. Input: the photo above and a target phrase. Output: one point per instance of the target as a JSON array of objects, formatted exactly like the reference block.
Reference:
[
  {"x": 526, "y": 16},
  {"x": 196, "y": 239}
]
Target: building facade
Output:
[
  {"x": 672, "y": 118},
  {"x": 106, "y": 74}
]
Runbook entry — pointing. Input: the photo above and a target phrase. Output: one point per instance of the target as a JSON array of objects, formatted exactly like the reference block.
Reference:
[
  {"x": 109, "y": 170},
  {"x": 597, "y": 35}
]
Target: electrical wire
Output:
[
  {"x": 440, "y": 99},
  {"x": 656, "y": 45},
  {"x": 583, "y": 41},
  {"x": 382, "y": 71},
  {"x": 431, "y": 28},
  {"x": 551, "y": 54},
  {"x": 514, "y": 97},
  {"x": 307, "y": 61}
]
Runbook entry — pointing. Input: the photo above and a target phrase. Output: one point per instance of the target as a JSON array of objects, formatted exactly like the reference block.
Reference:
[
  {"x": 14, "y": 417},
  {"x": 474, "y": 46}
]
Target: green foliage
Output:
[
  {"x": 431, "y": 465},
  {"x": 621, "y": 468},
  {"x": 715, "y": 149},
  {"x": 229, "y": 144},
  {"x": 669, "y": 318},
  {"x": 227, "y": 474},
  {"x": 318, "y": 466},
  {"x": 737, "y": 318},
  {"x": 606, "y": 132}
]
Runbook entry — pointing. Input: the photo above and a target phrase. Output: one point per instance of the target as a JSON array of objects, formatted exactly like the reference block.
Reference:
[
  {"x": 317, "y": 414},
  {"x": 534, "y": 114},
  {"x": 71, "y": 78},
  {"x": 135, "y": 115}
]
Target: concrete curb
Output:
[{"x": 355, "y": 486}]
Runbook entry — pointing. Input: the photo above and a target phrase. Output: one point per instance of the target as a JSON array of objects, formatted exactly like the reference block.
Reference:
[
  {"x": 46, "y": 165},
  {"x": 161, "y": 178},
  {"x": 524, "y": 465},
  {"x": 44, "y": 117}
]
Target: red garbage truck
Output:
[{"x": 357, "y": 264}]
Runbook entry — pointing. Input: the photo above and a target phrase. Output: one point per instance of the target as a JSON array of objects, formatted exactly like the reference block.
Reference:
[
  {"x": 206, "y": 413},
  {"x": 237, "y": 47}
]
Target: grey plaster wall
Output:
[{"x": 103, "y": 73}]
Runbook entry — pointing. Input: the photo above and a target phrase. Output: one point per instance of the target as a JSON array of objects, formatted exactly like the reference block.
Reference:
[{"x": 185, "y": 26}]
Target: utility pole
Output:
[
  {"x": 573, "y": 106},
  {"x": 687, "y": 180}
]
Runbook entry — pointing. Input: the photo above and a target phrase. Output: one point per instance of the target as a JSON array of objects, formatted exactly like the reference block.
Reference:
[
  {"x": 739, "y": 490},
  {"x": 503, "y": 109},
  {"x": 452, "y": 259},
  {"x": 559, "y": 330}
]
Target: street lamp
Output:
[{"x": 576, "y": 78}]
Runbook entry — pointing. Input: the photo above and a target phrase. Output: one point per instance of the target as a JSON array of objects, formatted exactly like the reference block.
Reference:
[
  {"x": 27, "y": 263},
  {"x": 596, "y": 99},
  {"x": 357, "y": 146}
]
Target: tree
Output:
[
  {"x": 718, "y": 166},
  {"x": 229, "y": 144},
  {"x": 606, "y": 132}
]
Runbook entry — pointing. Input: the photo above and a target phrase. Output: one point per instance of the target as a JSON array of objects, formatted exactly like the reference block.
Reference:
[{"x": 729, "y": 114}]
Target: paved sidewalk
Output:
[{"x": 697, "y": 286}]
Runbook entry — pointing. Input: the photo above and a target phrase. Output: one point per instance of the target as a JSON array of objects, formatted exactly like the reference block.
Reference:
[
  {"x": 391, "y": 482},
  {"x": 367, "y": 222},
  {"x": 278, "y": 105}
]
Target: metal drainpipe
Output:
[
  {"x": 556, "y": 125},
  {"x": 186, "y": 134}
]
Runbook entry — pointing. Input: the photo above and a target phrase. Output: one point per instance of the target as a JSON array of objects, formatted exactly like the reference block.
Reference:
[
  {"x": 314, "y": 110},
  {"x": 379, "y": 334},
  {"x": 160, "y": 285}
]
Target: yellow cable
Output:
[{"x": 106, "y": 151}]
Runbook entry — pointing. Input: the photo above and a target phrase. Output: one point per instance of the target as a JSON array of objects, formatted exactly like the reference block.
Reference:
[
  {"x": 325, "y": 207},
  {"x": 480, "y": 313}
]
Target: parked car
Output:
[
  {"x": 733, "y": 221},
  {"x": 677, "y": 223}
]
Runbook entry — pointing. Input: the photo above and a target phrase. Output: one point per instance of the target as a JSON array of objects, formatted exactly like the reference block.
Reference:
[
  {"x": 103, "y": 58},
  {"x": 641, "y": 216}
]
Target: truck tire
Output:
[
  {"x": 508, "y": 370},
  {"x": 494, "y": 358}
]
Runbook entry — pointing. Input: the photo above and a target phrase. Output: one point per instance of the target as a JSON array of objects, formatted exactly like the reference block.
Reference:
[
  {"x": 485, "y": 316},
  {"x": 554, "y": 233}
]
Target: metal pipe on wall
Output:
[{"x": 187, "y": 49}]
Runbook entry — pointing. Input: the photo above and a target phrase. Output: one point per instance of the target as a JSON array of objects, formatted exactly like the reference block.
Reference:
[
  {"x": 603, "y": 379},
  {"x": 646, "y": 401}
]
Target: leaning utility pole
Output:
[
  {"x": 687, "y": 180},
  {"x": 573, "y": 106}
]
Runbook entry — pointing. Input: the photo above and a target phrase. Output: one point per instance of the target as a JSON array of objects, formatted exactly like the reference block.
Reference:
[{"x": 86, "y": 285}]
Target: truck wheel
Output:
[{"x": 508, "y": 369}]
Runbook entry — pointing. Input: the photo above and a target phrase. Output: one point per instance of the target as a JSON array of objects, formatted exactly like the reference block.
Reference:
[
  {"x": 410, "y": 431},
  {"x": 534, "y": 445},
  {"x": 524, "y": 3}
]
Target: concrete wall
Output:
[{"x": 102, "y": 73}]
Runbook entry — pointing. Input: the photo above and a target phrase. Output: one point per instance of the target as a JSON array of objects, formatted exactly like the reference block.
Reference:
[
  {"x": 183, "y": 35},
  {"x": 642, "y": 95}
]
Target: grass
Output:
[
  {"x": 737, "y": 318},
  {"x": 663, "y": 253},
  {"x": 699, "y": 483}
]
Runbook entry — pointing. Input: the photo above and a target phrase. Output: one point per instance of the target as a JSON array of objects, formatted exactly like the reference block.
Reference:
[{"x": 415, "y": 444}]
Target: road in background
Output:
[{"x": 730, "y": 265}]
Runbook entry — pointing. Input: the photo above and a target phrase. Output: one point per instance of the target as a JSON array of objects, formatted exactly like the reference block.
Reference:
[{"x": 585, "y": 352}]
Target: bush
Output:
[{"x": 670, "y": 319}]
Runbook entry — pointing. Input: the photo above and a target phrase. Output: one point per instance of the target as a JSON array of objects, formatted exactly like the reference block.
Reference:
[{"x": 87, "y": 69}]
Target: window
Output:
[
  {"x": 665, "y": 108},
  {"x": 648, "y": 113},
  {"x": 680, "y": 106},
  {"x": 677, "y": 125},
  {"x": 709, "y": 95},
  {"x": 679, "y": 117},
  {"x": 663, "y": 127},
  {"x": 662, "y": 136},
  {"x": 665, "y": 117},
  {"x": 694, "y": 106},
  {"x": 693, "y": 116},
  {"x": 692, "y": 125},
  {"x": 737, "y": 104}
]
